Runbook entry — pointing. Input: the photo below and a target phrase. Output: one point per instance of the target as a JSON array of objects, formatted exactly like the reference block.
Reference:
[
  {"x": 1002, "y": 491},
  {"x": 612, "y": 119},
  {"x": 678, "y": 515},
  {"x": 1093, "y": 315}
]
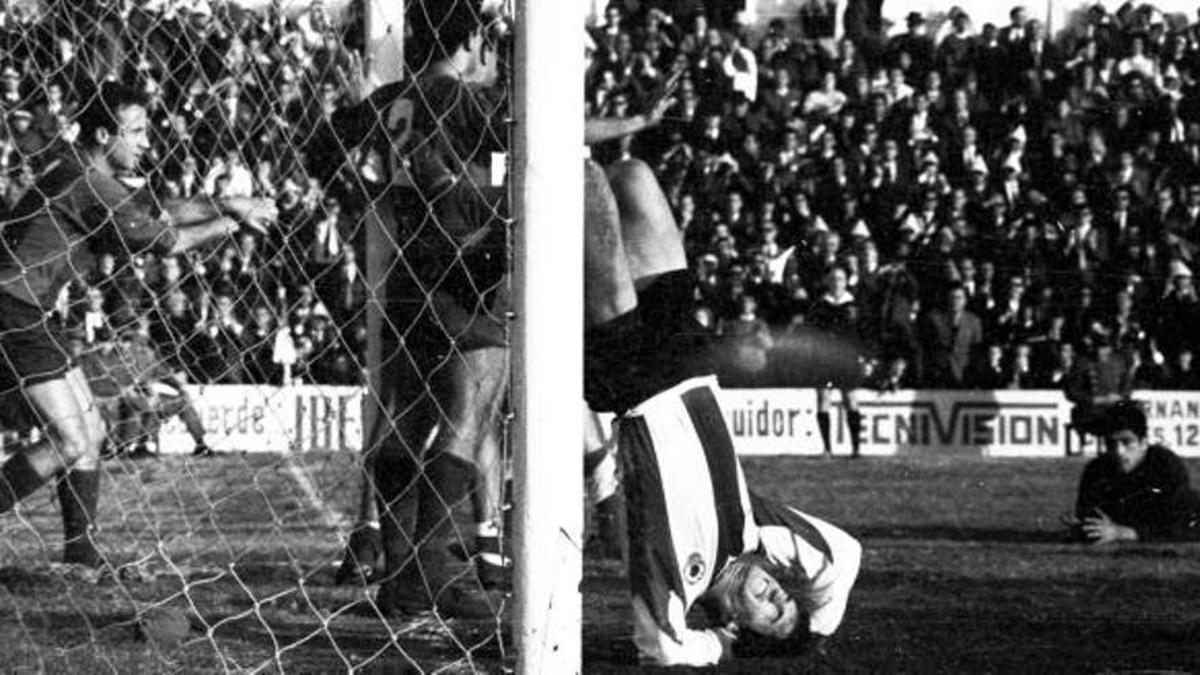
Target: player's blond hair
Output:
[
  {"x": 719, "y": 604},
  {"x": 720, "y": 598}
]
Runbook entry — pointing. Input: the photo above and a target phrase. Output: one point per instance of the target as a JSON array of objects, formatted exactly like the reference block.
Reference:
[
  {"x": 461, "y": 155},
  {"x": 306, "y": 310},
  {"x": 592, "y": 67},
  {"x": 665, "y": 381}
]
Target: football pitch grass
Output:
[{"x": 965, "y": 571}]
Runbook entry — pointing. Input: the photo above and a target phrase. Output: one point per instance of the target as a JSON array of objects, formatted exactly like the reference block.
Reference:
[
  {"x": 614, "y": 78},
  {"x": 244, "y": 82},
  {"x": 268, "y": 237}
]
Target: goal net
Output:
[{"x": 271, "y": 398}]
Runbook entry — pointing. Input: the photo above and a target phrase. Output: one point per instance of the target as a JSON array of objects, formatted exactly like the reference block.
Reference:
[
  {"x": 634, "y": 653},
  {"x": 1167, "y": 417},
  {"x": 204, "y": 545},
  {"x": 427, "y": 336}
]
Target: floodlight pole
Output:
[{"x": 548, "y": 334}]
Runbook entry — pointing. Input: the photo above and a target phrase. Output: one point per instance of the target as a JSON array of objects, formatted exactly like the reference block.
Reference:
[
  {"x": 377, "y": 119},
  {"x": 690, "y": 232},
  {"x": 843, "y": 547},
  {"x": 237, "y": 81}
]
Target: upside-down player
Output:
[
  {"x": 696, "y": 533},
  {"x": 76, "y": 210}
]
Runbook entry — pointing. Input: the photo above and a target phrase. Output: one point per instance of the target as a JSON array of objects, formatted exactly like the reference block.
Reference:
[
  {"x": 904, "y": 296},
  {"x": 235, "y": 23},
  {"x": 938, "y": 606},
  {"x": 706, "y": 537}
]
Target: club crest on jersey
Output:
[{"x": 694, "y": 569}]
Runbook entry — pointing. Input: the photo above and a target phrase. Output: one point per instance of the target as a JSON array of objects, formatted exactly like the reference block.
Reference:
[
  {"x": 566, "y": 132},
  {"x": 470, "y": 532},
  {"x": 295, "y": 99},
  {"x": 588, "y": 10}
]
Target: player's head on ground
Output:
[
  {"x": 747, "y": 595},
  {"x": 1124, "y": 430},
  {"x": 114, "y": 126}
]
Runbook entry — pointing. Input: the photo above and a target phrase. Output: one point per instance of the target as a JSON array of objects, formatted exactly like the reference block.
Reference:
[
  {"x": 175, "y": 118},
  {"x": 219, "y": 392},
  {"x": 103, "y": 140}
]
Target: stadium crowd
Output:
[
  {"x": 986, "y": 206},
  {"x": 233, "y": 96},
  {"x": 983, "y": 207}
]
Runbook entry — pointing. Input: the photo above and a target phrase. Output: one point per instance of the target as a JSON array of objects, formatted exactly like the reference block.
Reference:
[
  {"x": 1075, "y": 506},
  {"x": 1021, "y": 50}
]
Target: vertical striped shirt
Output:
[{"x": 690, "y": 514}]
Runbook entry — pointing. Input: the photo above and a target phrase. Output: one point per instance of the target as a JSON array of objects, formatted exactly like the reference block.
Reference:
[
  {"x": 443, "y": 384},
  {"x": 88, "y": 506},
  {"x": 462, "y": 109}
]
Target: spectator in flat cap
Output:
[{"x": 917, "y": 44}]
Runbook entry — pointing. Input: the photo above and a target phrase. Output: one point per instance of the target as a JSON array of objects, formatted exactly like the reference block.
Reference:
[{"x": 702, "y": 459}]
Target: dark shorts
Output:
[
  {"x": 437, "y": 302},
  {"x": 438, "y": 324},
  {"x": 33, "y": 348},
  {"x": 448, "y": 289},
  {"x": 424, "y": 372},
  {"x": 426, "y": 333},
  {"x": 647, "y": 350}
]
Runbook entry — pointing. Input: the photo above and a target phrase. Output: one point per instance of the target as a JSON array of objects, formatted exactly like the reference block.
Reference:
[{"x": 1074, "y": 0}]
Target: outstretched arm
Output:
[
  {"x": 601, "y": 129},
  {"x": 196, "y": 210},
  {"x": 190, "y": 236},
  {"x": 190, "y": 211},
  {"x": 197, "y": 222}
]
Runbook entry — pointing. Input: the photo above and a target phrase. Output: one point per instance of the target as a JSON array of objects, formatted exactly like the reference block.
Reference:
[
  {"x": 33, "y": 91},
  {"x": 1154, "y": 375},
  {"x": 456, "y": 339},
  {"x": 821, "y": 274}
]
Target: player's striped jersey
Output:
[{"x": 690, "y": 514}]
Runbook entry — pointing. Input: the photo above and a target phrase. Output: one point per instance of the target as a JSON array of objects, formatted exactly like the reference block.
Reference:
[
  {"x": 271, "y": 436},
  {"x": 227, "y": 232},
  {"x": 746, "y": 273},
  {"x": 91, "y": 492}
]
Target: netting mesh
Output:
[{"x": 238, "y": 526}]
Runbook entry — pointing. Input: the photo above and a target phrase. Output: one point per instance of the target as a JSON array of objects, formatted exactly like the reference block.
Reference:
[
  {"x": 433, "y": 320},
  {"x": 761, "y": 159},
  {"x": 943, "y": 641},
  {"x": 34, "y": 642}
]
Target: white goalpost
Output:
[{"x": 548, "y": 352}]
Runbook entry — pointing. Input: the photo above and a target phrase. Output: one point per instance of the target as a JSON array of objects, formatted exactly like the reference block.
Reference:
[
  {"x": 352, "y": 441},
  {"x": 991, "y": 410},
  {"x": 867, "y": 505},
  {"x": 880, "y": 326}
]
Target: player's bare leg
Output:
[
  {"x": 651, "y": 239},
  {"x": 414, "y": 473},
  {"x": 181, "y": 405},
  {"x": 608, "y": 286},
  {"x": 74, "y": 433},
  {"x": 492, "y": 562},
  {"x": 470, "y": 402},
  {"x": 195, "y": 428}
]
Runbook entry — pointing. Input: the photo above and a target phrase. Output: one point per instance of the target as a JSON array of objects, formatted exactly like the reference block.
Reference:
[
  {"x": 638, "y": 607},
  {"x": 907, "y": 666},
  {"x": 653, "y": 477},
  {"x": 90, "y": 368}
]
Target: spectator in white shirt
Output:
[
  {"x": 828, "y": 100},
  {"x": 741, "y": 66}
]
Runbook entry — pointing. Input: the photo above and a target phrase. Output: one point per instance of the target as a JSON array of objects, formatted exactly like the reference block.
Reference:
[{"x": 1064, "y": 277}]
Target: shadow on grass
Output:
[
  {"x": 956, "y": 533},
  {"x": 421, "y": 639},
  {"x": 953, "y": 621},
  {"x": 358, "y": 637}
]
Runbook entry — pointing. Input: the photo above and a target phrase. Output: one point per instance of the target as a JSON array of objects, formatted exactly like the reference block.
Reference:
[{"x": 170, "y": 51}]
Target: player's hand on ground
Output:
[
  {"x": 1101, "y": 529},
  {"x": 254, "y": 212}
]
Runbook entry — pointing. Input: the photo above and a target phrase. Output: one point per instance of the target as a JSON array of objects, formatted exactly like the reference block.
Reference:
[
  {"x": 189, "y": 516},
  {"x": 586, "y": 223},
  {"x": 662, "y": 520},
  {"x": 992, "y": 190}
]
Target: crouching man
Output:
[{"x": 1135, "y": 491}]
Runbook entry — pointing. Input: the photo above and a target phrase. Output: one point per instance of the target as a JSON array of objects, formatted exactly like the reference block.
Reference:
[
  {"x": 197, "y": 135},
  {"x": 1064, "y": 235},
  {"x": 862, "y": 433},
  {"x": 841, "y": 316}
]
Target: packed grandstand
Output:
[{"x": 1056, "y": 180}]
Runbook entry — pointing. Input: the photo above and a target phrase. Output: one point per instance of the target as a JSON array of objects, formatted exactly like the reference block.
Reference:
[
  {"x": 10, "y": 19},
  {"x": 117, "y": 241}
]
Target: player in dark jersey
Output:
[
  {"x": 836, "y": 312},
  {"x": 77, "y": 209},
  {"x": 696, "y": 534},
  {"x": 445, "y": 365}
]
